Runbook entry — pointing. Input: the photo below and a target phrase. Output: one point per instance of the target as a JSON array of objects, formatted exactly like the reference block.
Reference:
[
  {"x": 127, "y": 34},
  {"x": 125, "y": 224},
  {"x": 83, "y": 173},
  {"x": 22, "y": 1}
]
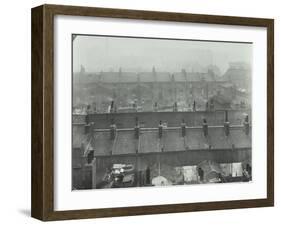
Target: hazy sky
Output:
[{"x": 97, "y": 53}]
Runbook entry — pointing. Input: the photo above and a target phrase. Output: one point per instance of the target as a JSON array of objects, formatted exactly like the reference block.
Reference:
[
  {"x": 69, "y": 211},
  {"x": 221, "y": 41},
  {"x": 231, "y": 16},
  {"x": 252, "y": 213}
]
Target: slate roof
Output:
[
  {"x": 195, "y": 139},
  {"x": 145, "y": 77},
  {"x": 125, "y": 143},
  {"x": 180, "y": 77},
  {"x": 149, "y": 142},
  {"x": 128, "y": 77},
  {"x": 102, "y": 143},
  {"x": 171, "y": 140},
  {"x": 163, "y": 77},
  {"x": 109, "y": 77}
]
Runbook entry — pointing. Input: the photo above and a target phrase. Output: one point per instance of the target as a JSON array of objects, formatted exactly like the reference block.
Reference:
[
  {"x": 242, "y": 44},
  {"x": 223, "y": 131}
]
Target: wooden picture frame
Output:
[{"x": 42, "y": 203}]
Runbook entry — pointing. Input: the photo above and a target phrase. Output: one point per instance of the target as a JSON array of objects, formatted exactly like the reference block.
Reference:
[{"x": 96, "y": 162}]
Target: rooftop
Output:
[
  {"x": 149, "y": 141},
  {"x": 143, "y": 77}
]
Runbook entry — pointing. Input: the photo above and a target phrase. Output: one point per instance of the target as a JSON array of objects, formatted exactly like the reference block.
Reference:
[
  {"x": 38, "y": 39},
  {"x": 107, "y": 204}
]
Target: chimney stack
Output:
[
  {"x": 137, "y": 129},
  {"x": 175, "y": 107},
  {"x": 112, "y": 131},
  {"x": 194, "y": 106},
  {"x": 112, "y": 106},
  {"x": 205, "y": 127},
  {"x": 183, "y": 128},
  {"x": 246, "y": 125},
  {"x": 155, "y": 106},
  {"x": 226, "y": 124},
  {"x": 226, "y": 116},
  {"x": 160, "y": 129},
  {"x": 153, "y": 71}
]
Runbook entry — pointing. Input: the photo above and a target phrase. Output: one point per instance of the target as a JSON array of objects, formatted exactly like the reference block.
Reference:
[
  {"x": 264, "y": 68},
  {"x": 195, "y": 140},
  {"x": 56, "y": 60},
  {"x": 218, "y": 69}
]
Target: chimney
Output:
[
  {"x": 205, "y": 127},
  {"x": 194, "y": 106},
  {"x": 173, "y": 78},
  {"x": 246, "y": 125},
  {"x": 183, "y": 129},
  {"x": 226, "y": 116},
  {"x": 112, "y": 106},
  {"x": 137, "y": 129},
  {"x": 160, "y": 129},
  {"x": 226, "y": 128},
  {"x": 112, "y": 131},
  {"x": 226, "y": 124},
  {"x": 153, "y": 71},
  {"x": 155, "y": 106},
  {"x": 137, "y": 132},
  {"x": 175, "y": 107}
]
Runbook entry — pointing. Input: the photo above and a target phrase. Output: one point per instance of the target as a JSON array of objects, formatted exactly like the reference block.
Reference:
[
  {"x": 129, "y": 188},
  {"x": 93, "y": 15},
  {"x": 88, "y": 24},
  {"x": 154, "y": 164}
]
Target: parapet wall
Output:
[{"x": 151, "y": 119}]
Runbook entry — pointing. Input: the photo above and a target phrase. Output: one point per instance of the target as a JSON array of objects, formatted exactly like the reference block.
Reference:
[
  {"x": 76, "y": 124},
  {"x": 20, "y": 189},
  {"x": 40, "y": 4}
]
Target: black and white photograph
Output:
[{"x": 152, "y": 112}]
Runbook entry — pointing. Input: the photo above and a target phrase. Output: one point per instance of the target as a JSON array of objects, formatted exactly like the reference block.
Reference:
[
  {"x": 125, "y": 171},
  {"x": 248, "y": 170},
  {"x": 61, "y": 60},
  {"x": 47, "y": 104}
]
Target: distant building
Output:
[
  {"x": 144, "y": 88},
  {"x": 239, "y": 74}
]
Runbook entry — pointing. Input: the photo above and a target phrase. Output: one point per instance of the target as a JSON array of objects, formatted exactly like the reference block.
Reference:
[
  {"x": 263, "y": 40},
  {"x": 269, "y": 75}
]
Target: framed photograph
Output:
[{"x": 142, "y": 112}]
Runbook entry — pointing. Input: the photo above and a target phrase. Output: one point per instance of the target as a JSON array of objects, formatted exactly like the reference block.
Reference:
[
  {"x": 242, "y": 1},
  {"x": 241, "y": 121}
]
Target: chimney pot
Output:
[
  {"x": 112, "y": 131},
  {"x": 246, "y": 128},
  {"x": 112, "y": 106},
  {"x": 246, "y": 125},
  {"x": 226, "y": 116},
  {"x": 205, "y": 127},
  {"x": 227, "y": 128},
  {"x": 137, "y": 131},
  {"x": 175, "y": 106},
  {"x": 155, "y": 106},
  {"x": 160, "y": 130},
  {"x": 183, "y": 129},
  {"x": 194, "y": 105}
]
